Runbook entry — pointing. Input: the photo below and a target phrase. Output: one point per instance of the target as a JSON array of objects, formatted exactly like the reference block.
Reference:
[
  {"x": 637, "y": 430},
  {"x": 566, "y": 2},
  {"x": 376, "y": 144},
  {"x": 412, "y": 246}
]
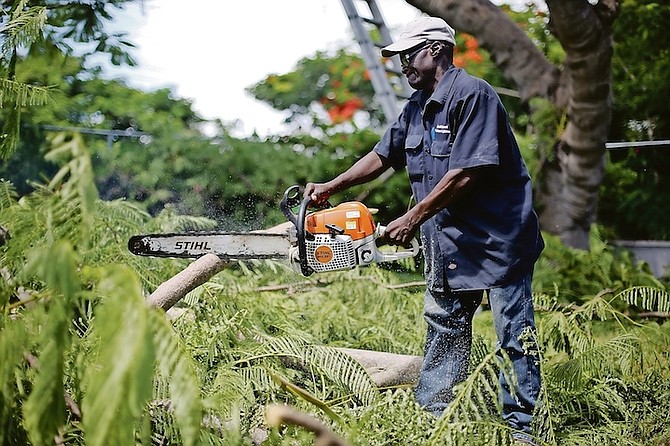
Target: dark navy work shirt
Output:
[{"x": 490, "y": 237}]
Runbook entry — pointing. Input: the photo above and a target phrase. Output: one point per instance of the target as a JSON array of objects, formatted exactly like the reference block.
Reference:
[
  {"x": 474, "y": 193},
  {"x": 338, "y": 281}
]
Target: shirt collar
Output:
[
  {"x": 441, "y": 92},
  {"x": 444, "y": 86}
]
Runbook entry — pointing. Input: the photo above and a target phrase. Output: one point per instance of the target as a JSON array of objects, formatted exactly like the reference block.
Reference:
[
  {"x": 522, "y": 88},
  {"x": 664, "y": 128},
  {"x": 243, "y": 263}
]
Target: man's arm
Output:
[
  {"x": 449, "y": 189},
  {"x": 365, "y": 169}
]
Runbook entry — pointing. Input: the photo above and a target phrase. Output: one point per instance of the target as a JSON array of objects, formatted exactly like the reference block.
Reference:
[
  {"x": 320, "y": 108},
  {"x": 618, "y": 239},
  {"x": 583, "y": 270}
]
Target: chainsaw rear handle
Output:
[{"x": 411, "y": 251}]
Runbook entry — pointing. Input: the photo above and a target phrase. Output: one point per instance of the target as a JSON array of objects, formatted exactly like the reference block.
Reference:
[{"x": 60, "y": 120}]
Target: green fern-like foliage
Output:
[
  {"x": 23, "y": 26},
  {"x": 81, "y": 318},
  {"x": 579, "y": 275},
  {"x": 648, "y": 298},
  {"x": 594, "y": 370}
]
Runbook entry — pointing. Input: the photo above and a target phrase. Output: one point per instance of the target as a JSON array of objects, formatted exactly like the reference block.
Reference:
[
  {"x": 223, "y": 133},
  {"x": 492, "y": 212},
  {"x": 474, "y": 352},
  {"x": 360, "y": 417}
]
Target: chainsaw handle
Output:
[
  {"x": 301, "y": 235},
  {"x": 290, "y": 200},
  {"x": 412, "y": 251}
]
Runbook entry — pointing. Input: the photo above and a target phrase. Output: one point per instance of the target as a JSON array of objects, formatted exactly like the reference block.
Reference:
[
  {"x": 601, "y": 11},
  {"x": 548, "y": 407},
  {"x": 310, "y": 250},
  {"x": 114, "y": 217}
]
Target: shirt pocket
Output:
[
  {"x": 413, "y": 154},
  {"x": 441, "y": 149},
  {"x": 413, "y": 143}
]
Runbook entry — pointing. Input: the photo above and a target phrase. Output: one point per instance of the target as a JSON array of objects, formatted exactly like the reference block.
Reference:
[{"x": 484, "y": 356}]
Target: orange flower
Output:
[
  {"x": 471, "y": 43},
  {"x": 339, "y": 113}
]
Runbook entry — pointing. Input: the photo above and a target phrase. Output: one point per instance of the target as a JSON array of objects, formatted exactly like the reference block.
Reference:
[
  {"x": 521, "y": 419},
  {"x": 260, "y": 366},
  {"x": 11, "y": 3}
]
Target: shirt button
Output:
[
  {"x": 438, "y": 227},
  {"x": 430, "y": 177},
  {"x": 452, "y": 266}
]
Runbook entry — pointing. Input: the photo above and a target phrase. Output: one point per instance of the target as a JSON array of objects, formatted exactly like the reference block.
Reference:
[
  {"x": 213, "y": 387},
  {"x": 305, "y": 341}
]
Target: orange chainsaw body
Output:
[{"x": 352, "y": 218}]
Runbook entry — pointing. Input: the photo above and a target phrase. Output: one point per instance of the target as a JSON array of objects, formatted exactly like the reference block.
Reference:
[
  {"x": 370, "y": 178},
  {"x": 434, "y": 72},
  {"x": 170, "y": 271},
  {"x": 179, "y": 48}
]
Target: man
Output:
[
  {"x": 474, "y": 208},
  {"x": 473, "y": 200}
]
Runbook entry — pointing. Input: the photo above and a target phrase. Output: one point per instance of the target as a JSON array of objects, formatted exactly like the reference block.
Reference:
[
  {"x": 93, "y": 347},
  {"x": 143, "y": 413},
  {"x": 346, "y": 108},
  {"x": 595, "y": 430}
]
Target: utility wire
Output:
[
  {"x": 110, "y": 134},
  {"x": 636, "y": 144}
]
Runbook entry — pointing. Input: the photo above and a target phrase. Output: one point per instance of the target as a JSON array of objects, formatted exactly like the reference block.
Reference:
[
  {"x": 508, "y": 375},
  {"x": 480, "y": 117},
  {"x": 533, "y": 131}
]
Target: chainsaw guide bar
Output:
[{"x": 225, "y": 245}]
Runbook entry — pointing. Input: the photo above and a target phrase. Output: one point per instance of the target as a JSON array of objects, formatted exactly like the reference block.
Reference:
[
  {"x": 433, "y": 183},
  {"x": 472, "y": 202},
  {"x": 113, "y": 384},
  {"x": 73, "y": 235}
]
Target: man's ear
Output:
[{"x": 435, "y": 49}]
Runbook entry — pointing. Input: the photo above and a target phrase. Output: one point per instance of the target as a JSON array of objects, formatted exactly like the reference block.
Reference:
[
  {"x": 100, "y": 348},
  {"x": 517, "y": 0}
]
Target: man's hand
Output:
[
  {"x": 401, "y": 230},
  {"x": 318, "y": 192}
]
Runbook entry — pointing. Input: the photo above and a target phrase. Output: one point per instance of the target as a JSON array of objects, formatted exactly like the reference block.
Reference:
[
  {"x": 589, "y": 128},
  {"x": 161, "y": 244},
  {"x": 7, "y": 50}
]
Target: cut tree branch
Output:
[{"x": 197, "y": 273}]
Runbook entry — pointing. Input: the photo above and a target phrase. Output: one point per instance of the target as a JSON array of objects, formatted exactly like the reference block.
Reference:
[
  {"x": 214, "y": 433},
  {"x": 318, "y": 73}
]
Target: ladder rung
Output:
[
  {"x": 371, "y": 21},
  {"x": 387, "y": 80}
]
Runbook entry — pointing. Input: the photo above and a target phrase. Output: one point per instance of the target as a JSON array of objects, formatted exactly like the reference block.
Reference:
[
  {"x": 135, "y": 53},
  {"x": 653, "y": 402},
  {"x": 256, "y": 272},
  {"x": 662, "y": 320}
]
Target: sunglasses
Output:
[{"x": 407, "y": 58}]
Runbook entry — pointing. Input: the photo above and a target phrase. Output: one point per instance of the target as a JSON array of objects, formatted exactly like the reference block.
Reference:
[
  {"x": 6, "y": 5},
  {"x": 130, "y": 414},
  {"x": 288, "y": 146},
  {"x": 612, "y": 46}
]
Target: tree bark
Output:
[
  {"x": 584, "y": 32},
  {"x": 568, "y": 183},
  {"x": 174, "y": 289}
]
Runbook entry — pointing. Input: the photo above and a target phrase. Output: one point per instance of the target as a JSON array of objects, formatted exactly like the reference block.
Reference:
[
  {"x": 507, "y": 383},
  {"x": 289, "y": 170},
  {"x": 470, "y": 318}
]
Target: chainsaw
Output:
[{"x": 329, "y": 239}]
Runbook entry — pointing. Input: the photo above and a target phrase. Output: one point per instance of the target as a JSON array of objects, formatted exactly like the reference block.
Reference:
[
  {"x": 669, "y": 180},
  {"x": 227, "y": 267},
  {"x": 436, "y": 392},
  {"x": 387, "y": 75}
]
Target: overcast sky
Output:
[{"x": 209, "y": 51}]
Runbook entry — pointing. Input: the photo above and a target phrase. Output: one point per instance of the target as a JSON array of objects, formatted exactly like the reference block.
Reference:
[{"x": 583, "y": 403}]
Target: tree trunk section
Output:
[{"x": 569, "y": 188}]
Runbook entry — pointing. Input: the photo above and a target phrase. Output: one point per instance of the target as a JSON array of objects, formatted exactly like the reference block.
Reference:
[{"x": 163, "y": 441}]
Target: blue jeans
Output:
[{"x": 449, "y": 340}]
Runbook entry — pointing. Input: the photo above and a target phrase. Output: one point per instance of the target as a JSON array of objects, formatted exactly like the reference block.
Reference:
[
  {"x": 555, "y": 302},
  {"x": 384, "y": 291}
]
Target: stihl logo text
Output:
[
  {"x": 323, "y": 254},
  {"x": 192, "y": 245}
]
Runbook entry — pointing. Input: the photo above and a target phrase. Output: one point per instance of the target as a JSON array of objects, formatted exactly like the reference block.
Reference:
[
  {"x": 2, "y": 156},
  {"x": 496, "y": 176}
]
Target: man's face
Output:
[{"x": 419, "y": 66}]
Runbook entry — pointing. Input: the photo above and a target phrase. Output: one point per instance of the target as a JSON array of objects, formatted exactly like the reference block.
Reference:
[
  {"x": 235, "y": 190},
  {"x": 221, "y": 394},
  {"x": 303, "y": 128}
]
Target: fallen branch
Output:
[
  {"x": 276, "y": 415},
  {"x": 387, "y": 369},
  {"x": 174, "y": 289},
  {"x": 655, "y": 314}
]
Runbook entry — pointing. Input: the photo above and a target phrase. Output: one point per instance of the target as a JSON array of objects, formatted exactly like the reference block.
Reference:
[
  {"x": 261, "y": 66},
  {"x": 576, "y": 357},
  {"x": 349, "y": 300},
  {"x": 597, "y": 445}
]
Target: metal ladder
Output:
[{"x": 387, "y": 80}]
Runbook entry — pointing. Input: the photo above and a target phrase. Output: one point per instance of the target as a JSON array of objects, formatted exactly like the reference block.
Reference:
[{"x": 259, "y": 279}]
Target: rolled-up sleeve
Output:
[{"x": 478, "y": 118}]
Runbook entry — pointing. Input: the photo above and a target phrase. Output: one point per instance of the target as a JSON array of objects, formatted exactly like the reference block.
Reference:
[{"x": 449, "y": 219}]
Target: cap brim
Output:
[{"x": 401, "y": 46}]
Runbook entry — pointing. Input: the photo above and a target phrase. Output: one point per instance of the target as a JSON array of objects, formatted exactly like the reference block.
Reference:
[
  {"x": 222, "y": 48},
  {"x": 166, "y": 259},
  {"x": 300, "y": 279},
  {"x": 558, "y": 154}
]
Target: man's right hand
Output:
[{"x": 318, "y": 192}]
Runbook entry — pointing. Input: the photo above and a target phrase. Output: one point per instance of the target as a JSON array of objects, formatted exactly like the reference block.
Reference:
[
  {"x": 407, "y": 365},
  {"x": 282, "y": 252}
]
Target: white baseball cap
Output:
[{"x": 418, "y": 31}]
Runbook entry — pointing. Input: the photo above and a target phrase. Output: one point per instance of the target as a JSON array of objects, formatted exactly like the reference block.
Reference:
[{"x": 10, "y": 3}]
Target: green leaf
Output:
[
  {"x": 649, "y": 298},
  {"x": 44, "y": 411},
  {"x": 177, "y": 367},
  {"x": 58, "y": 268},
  {"x": 121, "y": 378}
]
